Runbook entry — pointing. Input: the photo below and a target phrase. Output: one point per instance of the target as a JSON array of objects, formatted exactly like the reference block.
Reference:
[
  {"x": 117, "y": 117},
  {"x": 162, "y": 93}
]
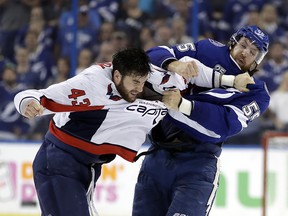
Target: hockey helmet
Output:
[{"x": 256, "y": 36}]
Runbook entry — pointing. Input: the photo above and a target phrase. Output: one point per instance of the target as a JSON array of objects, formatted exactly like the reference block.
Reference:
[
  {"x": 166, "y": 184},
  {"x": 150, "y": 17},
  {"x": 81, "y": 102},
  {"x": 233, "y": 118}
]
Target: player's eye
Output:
[
  {"x": 253, "y": 52},
  {"x": 243, "y": 46}
]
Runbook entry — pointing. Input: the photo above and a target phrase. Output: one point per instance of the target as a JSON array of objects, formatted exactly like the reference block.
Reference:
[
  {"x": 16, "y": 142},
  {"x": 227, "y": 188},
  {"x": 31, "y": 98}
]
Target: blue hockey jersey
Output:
[
  {"x": 221, "y": 113},
  {"x": 217, "y": 113}
]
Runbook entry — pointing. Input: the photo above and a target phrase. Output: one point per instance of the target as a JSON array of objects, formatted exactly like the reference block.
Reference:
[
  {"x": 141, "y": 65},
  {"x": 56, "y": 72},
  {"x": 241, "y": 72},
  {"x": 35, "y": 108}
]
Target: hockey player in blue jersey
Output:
[{"x": 180, "y": 175}]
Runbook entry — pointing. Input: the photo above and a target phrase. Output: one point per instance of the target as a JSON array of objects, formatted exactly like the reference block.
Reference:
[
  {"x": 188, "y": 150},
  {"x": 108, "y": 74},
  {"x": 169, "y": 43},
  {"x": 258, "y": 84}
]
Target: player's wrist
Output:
[
  {"x": 185, "y": 106},
  {"x": 167, "y": 62},
  {"x": 227, "y": 80}
]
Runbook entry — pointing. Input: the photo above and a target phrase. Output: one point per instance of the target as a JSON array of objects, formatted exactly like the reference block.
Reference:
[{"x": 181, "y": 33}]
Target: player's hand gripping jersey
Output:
[{"x": 109, "y": 120}]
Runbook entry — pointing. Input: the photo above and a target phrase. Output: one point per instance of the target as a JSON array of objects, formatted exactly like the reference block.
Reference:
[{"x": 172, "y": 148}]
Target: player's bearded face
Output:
[
  {"x": 244, "y": 53},
  {"x": 129, "y": 87}
]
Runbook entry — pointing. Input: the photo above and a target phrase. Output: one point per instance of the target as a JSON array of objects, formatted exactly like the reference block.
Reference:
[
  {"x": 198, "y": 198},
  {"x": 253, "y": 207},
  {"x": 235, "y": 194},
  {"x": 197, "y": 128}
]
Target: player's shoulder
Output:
[
  {"x": 99, "y": 69},
  {"x": 97, "y": 72},
  {"x": 209, "y": 47},
  {"x": 211, "y": 43}
]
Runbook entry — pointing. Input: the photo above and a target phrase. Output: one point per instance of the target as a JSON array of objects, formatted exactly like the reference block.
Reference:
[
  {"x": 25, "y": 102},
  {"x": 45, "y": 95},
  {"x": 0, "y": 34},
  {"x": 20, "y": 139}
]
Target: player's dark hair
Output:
[{"x": 131, "y": 61}]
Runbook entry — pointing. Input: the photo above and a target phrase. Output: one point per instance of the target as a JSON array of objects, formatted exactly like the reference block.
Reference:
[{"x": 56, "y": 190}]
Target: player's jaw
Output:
[
  {"x": 243, "y": 61},
  {"x": 129, "y": 95}
]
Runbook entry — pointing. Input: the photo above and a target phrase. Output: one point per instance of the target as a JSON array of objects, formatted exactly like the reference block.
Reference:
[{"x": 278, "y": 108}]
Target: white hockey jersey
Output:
[{"x": 92, "y": 116}]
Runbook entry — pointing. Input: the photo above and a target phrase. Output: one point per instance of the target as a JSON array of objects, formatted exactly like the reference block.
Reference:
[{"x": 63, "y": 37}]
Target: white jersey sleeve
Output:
[
  {"x": 78, "y": 93},
  {"x": 162, "y": 79}
]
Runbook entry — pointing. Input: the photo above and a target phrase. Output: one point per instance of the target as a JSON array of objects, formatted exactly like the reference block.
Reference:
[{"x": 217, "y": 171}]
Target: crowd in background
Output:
[{"x": 36, "y": 37}]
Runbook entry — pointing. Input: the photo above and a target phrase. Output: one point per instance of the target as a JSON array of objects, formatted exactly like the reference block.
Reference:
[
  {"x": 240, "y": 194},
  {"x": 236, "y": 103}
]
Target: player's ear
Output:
[{"x": 117, "y": 77}]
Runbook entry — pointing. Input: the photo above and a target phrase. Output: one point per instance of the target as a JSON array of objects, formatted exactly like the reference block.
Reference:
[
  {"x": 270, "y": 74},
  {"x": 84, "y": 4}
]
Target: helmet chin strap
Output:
[{"x": 253, "y": 68}]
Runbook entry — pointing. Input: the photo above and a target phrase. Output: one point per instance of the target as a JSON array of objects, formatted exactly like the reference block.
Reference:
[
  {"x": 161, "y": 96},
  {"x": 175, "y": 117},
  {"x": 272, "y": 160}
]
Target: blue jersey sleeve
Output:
[
  {"x": 162, "y": 55},
  {"x": 211, "y": 53},
  {"x": 219, "y": 113}
]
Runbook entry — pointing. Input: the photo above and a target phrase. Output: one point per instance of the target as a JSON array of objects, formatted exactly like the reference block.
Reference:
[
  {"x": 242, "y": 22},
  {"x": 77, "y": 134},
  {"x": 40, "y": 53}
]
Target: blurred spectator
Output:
[
  {"x": 25, "y": 75},
  {"x": 88, "y": 25},
  {"x": 85, "y": 59},
  {"x": 104, "y": 35},
  {"x": 12, "y": 125},
  {"x": 273, "y": 69},
  {"x": 105, "y": 32},
  {"x": 37, "y": 23},
  {"x": 235, "y": 10},
  {"x": 184, "y": 9},
  {"x": 179, "y": 32},
  {"x": 108, "y": 9},
  {"x": 63, "y": 70},
  {"x": 252, "y": 18},
  {"x": 149, "y": 45},
  {"x": 219, "y": 29},
  {"x": 66, "y": 19},
  {"x": 41, "y": 60},
  {"x": 119, "y": 40},
  {"x": 269, "y": 22},
  {"x": 163, "y": 35},
  {"x": 131, "y": 20},
  {"x": 14, "y": 14},
  {"x": 278, "y": 105},
  {"x": 52, "y": 10},
  {"x": 147, "y": 38},
  {"x": 105, "y": 53}
]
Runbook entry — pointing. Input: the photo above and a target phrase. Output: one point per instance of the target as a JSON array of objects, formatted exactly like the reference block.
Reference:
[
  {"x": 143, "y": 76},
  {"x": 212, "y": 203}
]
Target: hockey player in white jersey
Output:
[{"x": 97, "y": 115}]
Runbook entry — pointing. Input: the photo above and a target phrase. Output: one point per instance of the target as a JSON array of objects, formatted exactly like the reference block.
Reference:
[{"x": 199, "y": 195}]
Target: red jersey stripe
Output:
[
  {"x": 97, "y": 149},
  {"x": 56, "y": 107}
]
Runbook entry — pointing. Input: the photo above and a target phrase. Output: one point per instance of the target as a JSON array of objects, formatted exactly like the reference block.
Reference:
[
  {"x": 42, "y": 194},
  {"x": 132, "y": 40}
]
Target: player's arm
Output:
[
  {"x": 207, "y": 121},
  {"x": 203, "y": 77},
  {"x": 217, "y": 114},
  {"x": 71, "y": 95},
  {"x": 162, "y": 56},
  {"x": 171, "y": 59},
  {"x": 208, "y": 77},
  {"x": 28, "y": 104}
]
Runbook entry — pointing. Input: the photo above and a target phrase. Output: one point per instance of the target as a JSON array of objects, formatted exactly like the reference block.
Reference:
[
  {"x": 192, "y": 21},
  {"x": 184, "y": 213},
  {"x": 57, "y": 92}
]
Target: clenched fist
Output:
[
  {"x": 187, "y": 70},
  {"x": 242, "y": 80},
  {"x": 171, "y": 98},
  {"x": 33, "y": 108}
]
